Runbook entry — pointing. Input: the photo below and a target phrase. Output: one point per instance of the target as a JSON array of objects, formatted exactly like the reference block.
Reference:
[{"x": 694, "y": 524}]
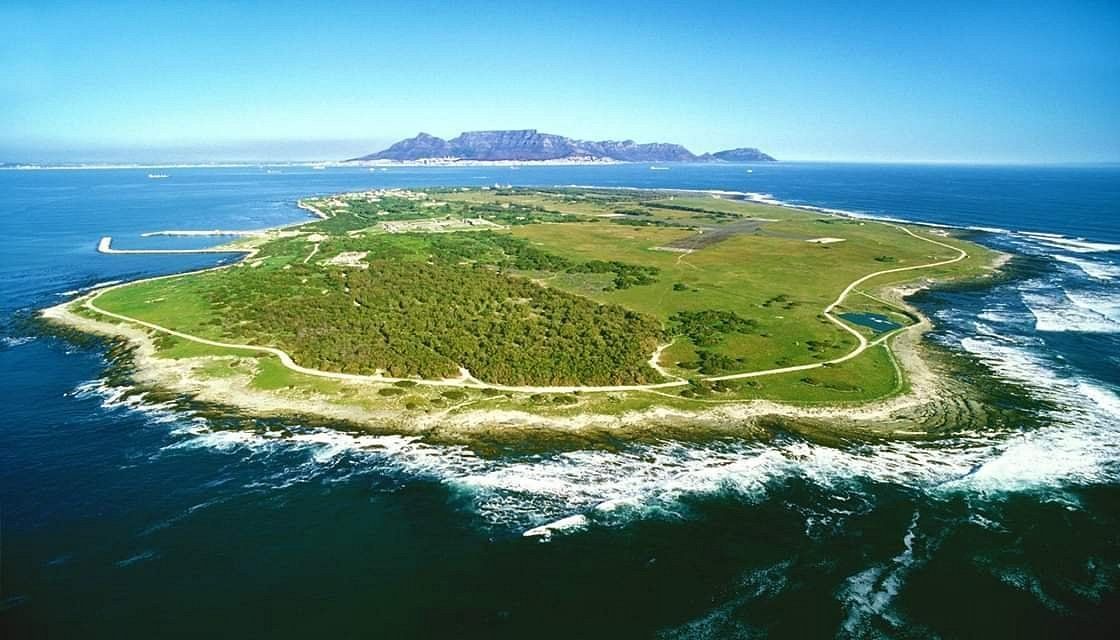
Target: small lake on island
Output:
[{"x": 875, "y": 321}]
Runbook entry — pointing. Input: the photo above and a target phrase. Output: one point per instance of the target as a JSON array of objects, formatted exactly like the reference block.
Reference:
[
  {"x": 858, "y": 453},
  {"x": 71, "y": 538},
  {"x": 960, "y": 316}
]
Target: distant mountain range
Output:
[{"x": 530, "y": 145}]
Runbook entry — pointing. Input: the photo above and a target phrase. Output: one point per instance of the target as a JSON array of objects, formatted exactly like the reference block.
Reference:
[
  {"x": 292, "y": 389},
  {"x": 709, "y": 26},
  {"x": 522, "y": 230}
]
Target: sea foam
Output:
[
  {"x": 559, "y": 493},
  {"x": 1076, "y": 245},
  {"x": 1075, "y": 311},
  {"x": 1092, "y": 268}
]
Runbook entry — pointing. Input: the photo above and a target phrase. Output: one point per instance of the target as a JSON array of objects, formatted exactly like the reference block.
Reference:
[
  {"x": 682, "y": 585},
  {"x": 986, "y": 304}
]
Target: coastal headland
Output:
[{"x": 478, "y": 309}]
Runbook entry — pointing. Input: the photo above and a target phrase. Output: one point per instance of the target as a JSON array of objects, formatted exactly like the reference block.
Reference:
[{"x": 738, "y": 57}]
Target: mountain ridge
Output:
[{"x": 531, "y": 145}]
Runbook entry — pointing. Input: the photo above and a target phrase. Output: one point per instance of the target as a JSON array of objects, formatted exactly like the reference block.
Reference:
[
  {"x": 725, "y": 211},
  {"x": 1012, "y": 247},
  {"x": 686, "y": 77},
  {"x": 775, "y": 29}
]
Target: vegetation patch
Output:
[
  {"x": 706, "y": 328},
  {"x": 543, "y": 287}
]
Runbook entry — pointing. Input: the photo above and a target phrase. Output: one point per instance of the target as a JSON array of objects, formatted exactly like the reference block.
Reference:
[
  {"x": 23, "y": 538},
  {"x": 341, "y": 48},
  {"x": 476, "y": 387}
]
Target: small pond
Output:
[{"x": 875, "y": 321}]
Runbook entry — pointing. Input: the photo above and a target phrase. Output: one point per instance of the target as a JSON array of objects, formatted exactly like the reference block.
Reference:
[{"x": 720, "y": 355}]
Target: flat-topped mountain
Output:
[{"x": 531, "y": 145}]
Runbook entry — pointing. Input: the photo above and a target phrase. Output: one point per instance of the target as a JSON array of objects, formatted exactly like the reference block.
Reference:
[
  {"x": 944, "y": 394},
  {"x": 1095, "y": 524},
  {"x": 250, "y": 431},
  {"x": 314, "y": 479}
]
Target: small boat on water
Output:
[
  {"x": 657, "y": 168},
  {"x": 750, "y": 170},
  {"x": 158, "y": 176}
]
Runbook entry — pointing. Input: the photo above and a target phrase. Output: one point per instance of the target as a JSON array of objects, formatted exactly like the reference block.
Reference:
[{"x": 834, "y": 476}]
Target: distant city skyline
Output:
[{"x": 894, "y": 82}]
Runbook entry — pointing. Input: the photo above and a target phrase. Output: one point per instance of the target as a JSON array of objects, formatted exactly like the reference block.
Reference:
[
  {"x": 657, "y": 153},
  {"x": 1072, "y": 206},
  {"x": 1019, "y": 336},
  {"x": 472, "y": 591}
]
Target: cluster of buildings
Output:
[
  {"x": 374, "y": 195},
  {"x": 437, "y": 225}
]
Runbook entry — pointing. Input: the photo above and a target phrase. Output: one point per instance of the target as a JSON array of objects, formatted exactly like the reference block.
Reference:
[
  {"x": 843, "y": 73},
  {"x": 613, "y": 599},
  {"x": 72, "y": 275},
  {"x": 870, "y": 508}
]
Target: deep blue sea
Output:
[{"x": 120, "y": 518}]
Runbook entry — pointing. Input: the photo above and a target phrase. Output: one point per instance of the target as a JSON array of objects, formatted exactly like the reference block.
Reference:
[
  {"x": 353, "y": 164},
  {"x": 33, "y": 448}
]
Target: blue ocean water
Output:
[{"x": 125, "y": 518}]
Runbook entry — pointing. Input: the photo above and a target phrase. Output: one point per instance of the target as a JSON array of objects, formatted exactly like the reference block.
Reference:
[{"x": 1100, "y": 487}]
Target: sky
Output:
[{"x": 1023, "y": 82}]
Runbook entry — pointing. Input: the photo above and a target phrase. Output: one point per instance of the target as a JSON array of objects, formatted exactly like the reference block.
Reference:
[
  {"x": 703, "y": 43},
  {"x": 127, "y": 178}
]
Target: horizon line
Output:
[{"x": 340, "y": 163}]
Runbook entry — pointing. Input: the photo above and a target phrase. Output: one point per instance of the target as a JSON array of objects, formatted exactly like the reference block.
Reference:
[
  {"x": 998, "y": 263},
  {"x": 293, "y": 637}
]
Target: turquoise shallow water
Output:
[{"x": 123, "y": 518}]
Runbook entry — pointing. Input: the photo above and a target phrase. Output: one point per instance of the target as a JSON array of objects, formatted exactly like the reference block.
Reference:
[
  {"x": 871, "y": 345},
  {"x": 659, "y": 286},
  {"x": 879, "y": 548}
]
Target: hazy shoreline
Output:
[{"x": 363, "y": 164}]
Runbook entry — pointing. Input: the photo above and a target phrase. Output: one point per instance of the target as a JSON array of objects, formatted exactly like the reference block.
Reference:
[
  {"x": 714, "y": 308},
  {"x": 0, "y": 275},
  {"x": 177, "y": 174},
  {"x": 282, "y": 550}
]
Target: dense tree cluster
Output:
[
  {"x": 496, "y": 249},
  {"x": 625, "y": 275},
  {"x": 652, "y": 222},
  {"x": 706, "y": 328},
  {"x": 712, "y": 363},
  {"x": 516, "y": 214},
  {"x": 428, "y": 318},
  {"x": 705, "y": 213},
  {"x": 783, "y": 300},
  {"x": 604, "y": 197},
  {"x": 429, "y": 303}
]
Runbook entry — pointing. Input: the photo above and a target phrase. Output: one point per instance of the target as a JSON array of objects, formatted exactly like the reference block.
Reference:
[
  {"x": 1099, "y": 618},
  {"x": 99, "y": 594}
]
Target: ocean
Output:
[{"x": 125, "y": 518}]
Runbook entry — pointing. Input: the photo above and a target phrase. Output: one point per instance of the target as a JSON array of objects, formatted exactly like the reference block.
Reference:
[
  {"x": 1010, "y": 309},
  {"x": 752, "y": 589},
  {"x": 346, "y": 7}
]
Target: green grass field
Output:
[{"x": 573, "y": 288}]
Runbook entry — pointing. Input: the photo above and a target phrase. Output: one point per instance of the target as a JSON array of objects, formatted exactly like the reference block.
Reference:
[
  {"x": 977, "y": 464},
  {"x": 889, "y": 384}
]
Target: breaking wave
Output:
[
  {"x": 869, "y": 595},
  {"x": 559, "y": 493},
  {"x": 1076, "y": 245},
  {"x": 98, "y": 285},
  {"x": 15, "y": 341},
  {"x": 1058, "y": 308},
  {"x": 556, "y": 494},
  {"x": 1092, "y": 268}
]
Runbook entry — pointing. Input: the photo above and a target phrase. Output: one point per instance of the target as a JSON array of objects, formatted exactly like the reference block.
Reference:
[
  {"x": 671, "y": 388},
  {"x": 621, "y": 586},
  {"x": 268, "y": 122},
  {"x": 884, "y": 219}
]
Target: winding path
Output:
[
  {"x": 863, "y": 342},
  {"x": 466, "y": 380}
]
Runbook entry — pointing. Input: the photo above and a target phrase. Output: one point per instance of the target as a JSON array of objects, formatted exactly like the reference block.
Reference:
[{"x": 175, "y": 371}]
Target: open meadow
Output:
[{"x": 554, "y": 301}]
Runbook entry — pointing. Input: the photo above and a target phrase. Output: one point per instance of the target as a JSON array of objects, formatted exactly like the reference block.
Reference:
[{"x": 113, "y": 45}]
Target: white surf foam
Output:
[
  {"x": 546, "y": 531},
  {"x": 547, "y": 494},
  {"x": 994, "y": 230},
  {"x": 870, "y": 594},
  {"x": 142, "y": 556},
  {"x": 123, "y": 397},
  {"x": 721, "y": 622},
  {"x": 762, "y": 198},
  {"x": 15, "y": 341},
  {"x": 74, "y": 292},
  {"x": 1076, "y": 245},
  {"x": 1080, "y": 447},
  {"x": 1082, "y": 312},
  {"x": 1104, "y": 303},
  {"x": 1092, "y": 268}
]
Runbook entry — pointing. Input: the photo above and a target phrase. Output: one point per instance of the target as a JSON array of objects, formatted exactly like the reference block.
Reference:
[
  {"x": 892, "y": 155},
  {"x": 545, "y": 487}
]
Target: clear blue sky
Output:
[{"x": 1015, "y": 82}]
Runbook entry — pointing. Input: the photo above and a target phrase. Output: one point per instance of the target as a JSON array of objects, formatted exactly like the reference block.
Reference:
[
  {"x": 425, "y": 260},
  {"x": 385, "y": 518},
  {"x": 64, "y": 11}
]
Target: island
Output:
[
  {"x": 532, "y": 146},
  {"x": 468, "y": 310}
]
